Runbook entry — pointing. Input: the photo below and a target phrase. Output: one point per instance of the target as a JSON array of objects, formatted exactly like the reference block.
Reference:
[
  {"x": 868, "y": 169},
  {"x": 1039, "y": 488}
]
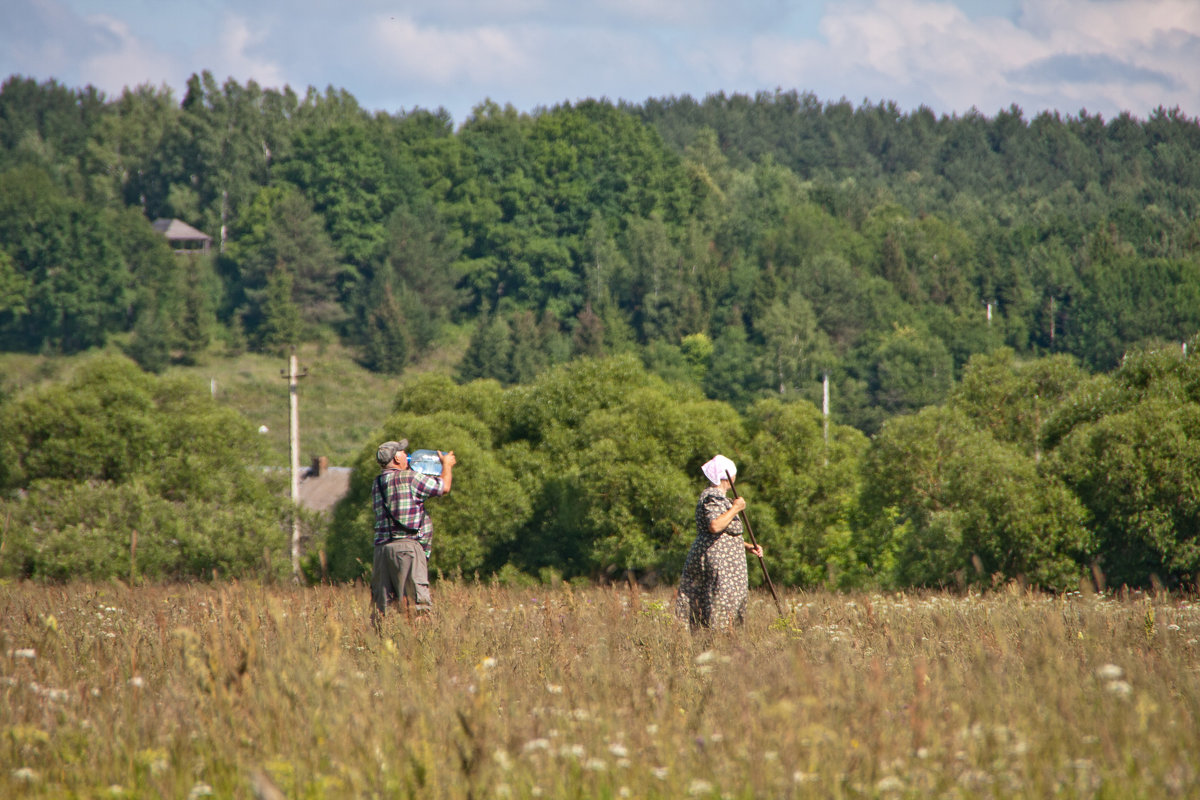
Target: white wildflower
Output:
[
  {"x": 200, "y": 790},
  {"x": 1110, "y": 672},
  {"x": 699, "y": 787},
  {"x": 24, "y": 775},
  {"x": 889, "y": 784},
  {"x": 1119, "y": 688},
  {"x": 707, "y": 657},
  {"x": 24, "y": 652},
  {"x": 536, "y": 744},
  {"x": 595, "y": 765},
  {"x": 619, "y": 750}
]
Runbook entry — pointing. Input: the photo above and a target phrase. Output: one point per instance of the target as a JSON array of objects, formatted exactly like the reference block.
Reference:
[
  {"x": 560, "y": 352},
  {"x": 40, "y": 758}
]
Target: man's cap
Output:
[{"x": 387, "y": 451}]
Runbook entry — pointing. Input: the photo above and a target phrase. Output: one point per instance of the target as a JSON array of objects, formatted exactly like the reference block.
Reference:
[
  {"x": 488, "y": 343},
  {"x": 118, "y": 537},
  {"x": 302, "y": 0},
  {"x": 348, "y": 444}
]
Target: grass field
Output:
[{"x": 241, "y": 691}]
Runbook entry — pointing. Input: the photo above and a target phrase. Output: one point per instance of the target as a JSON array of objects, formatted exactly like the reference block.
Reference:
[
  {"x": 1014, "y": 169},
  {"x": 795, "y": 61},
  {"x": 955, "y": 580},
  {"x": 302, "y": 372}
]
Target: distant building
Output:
[{"x": 183, "y": 237}]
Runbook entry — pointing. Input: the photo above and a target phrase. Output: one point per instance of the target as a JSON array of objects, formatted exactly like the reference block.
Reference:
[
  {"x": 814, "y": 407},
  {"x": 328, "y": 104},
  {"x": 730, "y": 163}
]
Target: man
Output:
[{"x": 403, "y": 531}]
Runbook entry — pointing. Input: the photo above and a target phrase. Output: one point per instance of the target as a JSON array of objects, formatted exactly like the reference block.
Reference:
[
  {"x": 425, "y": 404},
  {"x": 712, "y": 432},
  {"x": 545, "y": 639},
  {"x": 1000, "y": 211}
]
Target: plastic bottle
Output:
[{"x": 427, "y": 462}]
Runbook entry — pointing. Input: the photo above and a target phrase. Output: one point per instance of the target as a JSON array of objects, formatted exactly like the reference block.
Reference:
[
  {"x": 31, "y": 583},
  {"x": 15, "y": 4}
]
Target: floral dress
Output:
[{"x": 714, "y": 584}]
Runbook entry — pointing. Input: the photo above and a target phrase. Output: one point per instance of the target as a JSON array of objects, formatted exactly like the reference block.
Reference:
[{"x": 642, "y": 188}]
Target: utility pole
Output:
[
  {"x": 825, "y": 413},
  {"x": 294, "y": 447}
]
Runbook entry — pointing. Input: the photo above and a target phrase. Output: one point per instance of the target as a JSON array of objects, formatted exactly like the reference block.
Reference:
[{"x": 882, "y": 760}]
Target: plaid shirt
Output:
[{"x": 406, "y": 492}]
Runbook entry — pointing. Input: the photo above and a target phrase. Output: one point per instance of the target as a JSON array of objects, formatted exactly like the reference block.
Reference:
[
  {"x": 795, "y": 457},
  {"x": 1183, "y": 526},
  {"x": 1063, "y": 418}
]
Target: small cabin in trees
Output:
[{"x": 183, "y": 237}]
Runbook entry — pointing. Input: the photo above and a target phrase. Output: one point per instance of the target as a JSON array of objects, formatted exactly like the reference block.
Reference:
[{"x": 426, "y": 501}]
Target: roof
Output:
[
  {"x": 177, "y": 230},
  {"x": 321, "y": 492}
]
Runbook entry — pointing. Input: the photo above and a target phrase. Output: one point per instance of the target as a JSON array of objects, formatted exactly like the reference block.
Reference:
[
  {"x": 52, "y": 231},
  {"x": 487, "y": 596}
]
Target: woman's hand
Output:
[{"x": 755, "y": 548}]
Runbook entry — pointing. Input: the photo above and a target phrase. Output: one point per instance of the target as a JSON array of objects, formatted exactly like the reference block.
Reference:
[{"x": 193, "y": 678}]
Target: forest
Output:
[{"x": 1003, "y": 308}]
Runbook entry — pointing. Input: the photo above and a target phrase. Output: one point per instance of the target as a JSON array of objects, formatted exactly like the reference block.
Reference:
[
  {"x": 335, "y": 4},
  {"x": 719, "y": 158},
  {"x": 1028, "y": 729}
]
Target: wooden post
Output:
[
  {"x": 825, "y": 414},
  {"x": 294, "y": 447}
]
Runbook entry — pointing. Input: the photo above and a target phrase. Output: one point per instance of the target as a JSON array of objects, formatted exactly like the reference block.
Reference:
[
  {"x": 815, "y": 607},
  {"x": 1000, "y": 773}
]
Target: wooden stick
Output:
[{"x": 754, "y": 542}]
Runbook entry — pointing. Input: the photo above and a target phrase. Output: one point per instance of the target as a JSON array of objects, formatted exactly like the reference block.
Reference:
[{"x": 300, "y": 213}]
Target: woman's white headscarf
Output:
[{"x": 716, "y": 468}]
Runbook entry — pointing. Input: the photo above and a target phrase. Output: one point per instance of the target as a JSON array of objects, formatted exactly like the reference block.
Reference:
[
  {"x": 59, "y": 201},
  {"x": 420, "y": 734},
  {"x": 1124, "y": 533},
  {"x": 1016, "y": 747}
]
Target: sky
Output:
[{"x": 1099, "y": 56}]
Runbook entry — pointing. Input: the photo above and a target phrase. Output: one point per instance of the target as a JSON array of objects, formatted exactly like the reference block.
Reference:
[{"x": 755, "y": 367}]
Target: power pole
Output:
[
  {"x": 294, "y": 446},
  {"x": 825, "y": 414}
]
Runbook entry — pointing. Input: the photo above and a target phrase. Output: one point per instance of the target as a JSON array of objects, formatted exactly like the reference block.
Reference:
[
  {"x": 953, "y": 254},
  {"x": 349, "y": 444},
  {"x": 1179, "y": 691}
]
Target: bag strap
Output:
[{"x": 387, "y": 507}]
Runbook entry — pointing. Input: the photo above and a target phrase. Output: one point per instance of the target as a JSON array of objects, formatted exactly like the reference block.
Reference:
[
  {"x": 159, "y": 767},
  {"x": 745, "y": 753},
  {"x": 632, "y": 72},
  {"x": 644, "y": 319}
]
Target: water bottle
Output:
[{"x": 427, "y": 462}]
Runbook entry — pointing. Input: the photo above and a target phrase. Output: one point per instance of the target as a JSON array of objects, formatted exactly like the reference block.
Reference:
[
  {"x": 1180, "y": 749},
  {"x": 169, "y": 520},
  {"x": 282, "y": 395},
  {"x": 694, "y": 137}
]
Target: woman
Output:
[{"x": 713, "y": 587}]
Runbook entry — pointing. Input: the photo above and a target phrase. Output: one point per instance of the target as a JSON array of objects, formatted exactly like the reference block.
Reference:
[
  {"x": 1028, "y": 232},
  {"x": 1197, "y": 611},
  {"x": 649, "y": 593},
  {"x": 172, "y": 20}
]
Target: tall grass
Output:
[{"x": 243, "y": 690}]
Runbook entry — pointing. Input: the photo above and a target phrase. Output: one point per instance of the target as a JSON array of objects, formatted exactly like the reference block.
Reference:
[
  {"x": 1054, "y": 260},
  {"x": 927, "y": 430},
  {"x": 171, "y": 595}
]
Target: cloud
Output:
[
  {"x": 444, "y": 56},
  {"x": 119, "y": 59},
  {"x": 951, "y": 55},
  {"x": 1116, "y": 55},
  {"x": 240, "y": 52},
  {"x": 1093, "y": 68}
]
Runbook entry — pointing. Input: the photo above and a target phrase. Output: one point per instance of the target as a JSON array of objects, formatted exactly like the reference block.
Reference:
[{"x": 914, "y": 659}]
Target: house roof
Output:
[
  {"x": 321, "y": 492},
  {"x": 177, "y": 230}
]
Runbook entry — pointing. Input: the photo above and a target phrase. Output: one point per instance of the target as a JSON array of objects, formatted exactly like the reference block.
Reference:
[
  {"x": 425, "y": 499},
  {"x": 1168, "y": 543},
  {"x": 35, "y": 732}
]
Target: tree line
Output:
[
  {"x": 737, "y": 249},
  {"x": 1031, "y": 470},
  {"x": 775, "y": 237}
]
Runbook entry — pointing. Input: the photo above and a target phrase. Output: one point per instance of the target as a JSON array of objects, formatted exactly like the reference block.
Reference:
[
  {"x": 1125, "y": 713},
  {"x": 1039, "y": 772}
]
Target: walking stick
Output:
[{"x": 754, "y": 542}]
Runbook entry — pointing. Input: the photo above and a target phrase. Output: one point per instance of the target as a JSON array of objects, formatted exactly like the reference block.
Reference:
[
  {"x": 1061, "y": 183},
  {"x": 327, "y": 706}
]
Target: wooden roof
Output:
[{"x": 177, "y": 230}]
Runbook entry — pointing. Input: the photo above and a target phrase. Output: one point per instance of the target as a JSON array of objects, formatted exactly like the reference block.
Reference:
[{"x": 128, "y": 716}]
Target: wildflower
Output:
[
  {"x": 1110, "y": 672},
  {"x": 889, "y": 784},
  {"x": 200, "y": 790},
  {"x": 24, "y": 775},
  {"x": 595, "y": 765},
  {"x": 487, "y": 663},
  {"x": 137, "y": 682},
  {"x": 1119, "y": 688},
  {"x": 659, "y": 772},
  {"x": 26, "y": 652},
  {"x": 536, "y": 744},
  {"x": 699, "y": 787},
  {"x": 619, "y": 750},
  {"x": 554, "y": 688}
]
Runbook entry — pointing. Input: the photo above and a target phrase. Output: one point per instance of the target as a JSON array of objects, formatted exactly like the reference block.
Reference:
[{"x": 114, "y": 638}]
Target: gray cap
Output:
[{"x": 387, "y": 451}]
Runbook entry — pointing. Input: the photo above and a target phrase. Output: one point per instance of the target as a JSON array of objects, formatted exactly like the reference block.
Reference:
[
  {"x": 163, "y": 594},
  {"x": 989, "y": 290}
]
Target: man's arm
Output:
[{"x": 448, "y": 462}]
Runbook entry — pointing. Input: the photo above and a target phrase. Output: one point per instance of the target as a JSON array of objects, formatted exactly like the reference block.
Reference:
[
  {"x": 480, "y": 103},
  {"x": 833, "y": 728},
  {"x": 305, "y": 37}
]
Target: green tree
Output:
[
  {"x": 946, "y": 503},
  {"x": 280, "y": 326},
  {"x": 909, "y": 370},
  {"x": 279, "y": 231},
  {"x": 79, "y": 286},
  {"x": 1128, "y": 445},
  {"x": 487, "y": 353},
  {"x": 803, "y": 494},
  {"x": 114, "y": 450}
]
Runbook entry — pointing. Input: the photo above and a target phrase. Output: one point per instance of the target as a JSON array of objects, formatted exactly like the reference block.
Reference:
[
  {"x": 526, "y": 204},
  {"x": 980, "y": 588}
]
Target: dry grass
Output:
[{"x": 243, "y": 690}]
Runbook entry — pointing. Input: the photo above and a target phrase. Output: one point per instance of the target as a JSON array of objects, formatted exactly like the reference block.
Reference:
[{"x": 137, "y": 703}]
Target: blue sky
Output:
[{"x": 1105, "y": 56}]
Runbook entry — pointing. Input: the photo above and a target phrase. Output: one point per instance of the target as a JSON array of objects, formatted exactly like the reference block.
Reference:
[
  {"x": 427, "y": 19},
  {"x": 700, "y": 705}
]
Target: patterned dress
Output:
[{"x": 714, "y": 584}]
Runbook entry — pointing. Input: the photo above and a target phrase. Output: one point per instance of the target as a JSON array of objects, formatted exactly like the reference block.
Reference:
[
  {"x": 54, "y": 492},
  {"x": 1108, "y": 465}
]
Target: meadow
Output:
[{"x": 245, "y": 690}]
